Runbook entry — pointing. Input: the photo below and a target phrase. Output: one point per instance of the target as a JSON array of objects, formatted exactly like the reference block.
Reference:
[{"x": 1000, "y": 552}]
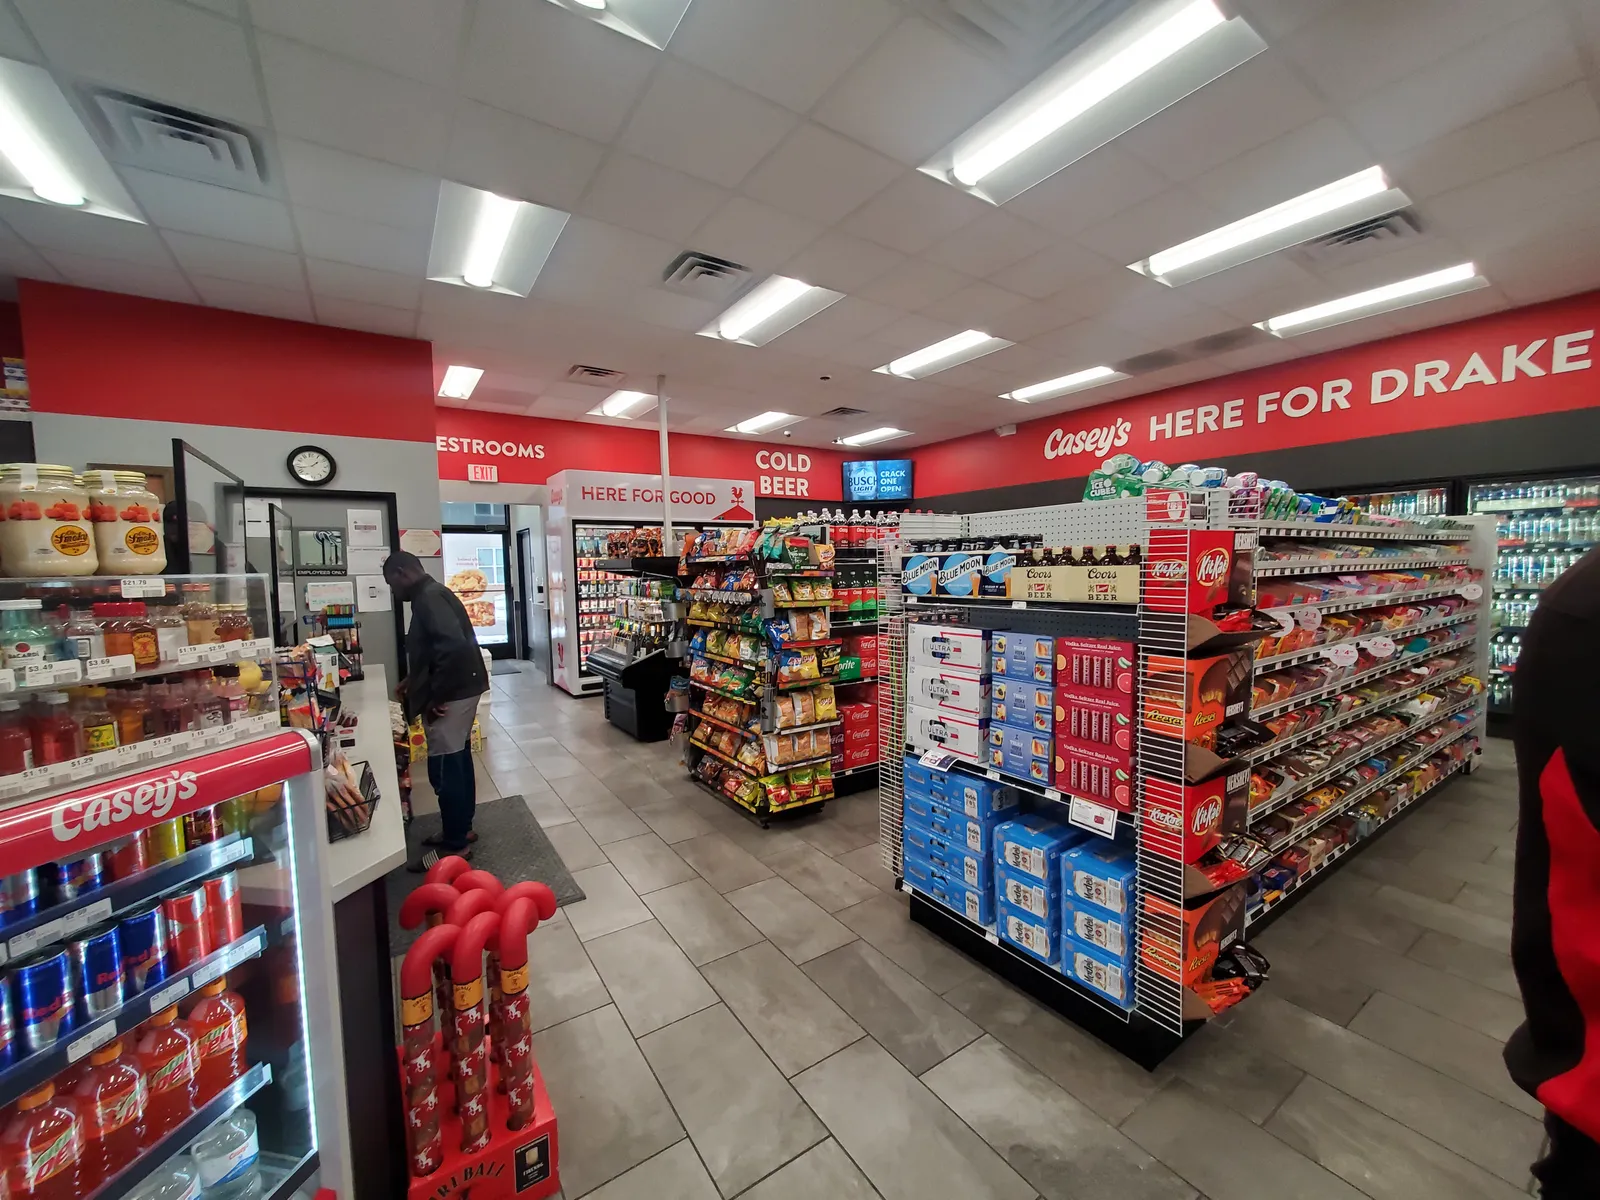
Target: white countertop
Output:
[{"x": 357, "y": 861}]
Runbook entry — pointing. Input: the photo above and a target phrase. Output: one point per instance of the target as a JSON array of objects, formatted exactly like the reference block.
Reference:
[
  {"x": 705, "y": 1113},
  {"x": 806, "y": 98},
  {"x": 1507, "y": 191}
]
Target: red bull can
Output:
[
  {"x": 143, "y": 934},
  {"x": 188, "y": 927},
  {"x": 43, "y": 999},
  {"x": 224, "y": 907},
  {"x": 96, "y": 956},
  {"x": 75, "y": 877},
  {"x": 129, "y": 856},
  {"x": 19, "y": 896},
  {"x": 8, "y": 1028}
]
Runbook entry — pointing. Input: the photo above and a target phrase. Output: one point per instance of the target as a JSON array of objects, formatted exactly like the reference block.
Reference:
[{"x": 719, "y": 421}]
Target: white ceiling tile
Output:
[
  {"x": 1516, "y": 64},
  {"x": 1276, "y": 19},
  {"x": 1249, "y": 106},
  {"x": 820, "y": 175},
  {"x": 151, "y": 47},
  {"x": 113, "y": 275},
  {"x": 1093, "y": 343},
  {"x": 1090, "y": 190},
  {"x": 345, "y": 281},
  {"x": 840, "y": 323},
  {"x": 338, "y": 182},
  {"x": 915, "y": 284},
  {"x": 697, "y": 123},
  {"x": 788, "y": 52},
  {"x": 841, "y": 262},
  {"x": 18, "y": 259},
  {"x": 292, "y": 304},
  {"x": 416, "y": 38},
  {"x": 14, "y": 39},
  {"x": 755, "y": 235},
  {"x": 990, "y": 244},
  {"x": 912, "y": 332},
  {"x": 1519, "y": 193},
  {"x": 336, "y": 102},
  {"x": 514, "y": 156},
  {"x": 1043, "y": 274},
  {"x": 590, "y": 248},
  {"x": 364, "y": 243},
  {"x": 236, "y": 261},
  {"x": 1319, "y": 153},
  {"x": 651, "y": 199},
  {"x": 1152, "y": 225},
  {"x": 533, "y": 58},
  {"x": 204, "y": 208},
  {"x": 46, "y": 227},
  {"x": 228, "y": 8},
  {"x": 373, "y": 318},
  {"x": 976, "y": 306},
  {"x": 913, "y": 213},
  {"x": 1510, "y": 139},
  {"x": 670, "y": 309},
  {"x": 1255, "y": 278},
  {"x": 1169, "y": 318},
  {"x": 1350, "y": 52},
  {"x": 916, "y": 91}
]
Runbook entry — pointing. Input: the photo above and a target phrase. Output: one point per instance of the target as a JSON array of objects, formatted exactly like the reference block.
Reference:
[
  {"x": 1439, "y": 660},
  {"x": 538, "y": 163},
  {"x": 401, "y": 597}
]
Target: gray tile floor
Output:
[{"x": 744, "y": 1012}]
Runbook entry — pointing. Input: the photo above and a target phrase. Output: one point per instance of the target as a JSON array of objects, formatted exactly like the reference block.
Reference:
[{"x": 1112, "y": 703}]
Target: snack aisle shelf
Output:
[{"x": 1201, "y": 879}]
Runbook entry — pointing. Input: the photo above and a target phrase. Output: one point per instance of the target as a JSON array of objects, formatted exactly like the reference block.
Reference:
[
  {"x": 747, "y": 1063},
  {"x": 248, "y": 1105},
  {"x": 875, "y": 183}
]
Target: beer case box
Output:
[
  {"x": 1020, "y": 753},
  {"x": 976, "y": 904},
  {"x": 1103, "y": 665},
  {"x": 1104, "y": 776},
  {"x": 1108, "y": 932},
  {"x": 1023, "y": 704},
  {"x": 961, "y": 830},
  {"x": 975, "y": 870},
  {"x": 982, "y": 798},
  {"x": 1205, "y": 927},
  {"x": 959, "y": 573},
  {"x": 1194, "y": 576},
  {"x": 1026, "y": 657},
  {"x": 1100, "y": 872},
  {"x": 994, "y": 581},
  {"x": 960, "y": 734},
  {"x": 1095, "y": 720},
  {"x": 1102, "y": 974},
  {"x": 1033, "y": 844},
  {"x": 1117, "y": 584},
  {"x": 938, "y": 814},
  {"x": 1028, "y": 933},
  {"x": 1039, "y": 899},
  {"x": 948, "y": 688},
  {"x": 919, "y": 574},
  {"x": 954, "y": 646}
]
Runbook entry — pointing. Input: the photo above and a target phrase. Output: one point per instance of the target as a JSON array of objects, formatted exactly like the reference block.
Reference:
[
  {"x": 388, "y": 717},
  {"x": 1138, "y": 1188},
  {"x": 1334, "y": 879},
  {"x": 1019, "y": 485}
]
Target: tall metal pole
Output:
[{"x": 667, "y": 540}]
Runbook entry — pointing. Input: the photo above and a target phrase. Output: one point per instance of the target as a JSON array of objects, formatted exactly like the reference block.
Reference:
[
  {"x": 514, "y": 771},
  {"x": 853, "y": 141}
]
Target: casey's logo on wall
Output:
[{"x": 1091, "y": 441}]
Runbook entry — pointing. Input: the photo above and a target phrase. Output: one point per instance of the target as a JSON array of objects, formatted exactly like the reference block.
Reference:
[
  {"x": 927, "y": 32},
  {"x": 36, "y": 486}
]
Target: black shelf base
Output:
[
  {"x": 763, "y": 819},
  {"x": 1136, "y": 1038}
]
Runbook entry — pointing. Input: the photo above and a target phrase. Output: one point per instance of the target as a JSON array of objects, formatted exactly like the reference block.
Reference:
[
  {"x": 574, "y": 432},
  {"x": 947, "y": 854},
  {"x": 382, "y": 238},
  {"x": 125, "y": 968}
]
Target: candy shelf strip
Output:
[
  {"x": 1398, "y": 663},
  {"x": 1320, "y": 529},
  {"x": 1312, "y": 653},
  {"x": 1278, "y": 568}
]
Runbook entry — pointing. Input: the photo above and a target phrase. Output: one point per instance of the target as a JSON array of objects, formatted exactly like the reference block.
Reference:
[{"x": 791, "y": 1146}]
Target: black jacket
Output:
[
  {"x": 443, "y": 662},
  {"x": 1555, "y": 926}
]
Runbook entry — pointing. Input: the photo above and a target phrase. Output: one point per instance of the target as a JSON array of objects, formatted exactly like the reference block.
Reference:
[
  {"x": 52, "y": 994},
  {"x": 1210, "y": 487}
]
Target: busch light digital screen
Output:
[{"x": 881, "y": 479}]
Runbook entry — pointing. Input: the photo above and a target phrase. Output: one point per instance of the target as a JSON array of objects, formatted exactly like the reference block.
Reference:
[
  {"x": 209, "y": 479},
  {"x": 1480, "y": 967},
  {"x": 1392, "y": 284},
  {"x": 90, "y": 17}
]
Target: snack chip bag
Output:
[{"x": 825, "y": 705}]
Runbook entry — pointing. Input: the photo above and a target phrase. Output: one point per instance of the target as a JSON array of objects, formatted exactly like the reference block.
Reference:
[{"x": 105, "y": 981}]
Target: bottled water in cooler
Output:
[
  {"x": 175, "y": 1181},
  {"x": 226, "y": 1157}
]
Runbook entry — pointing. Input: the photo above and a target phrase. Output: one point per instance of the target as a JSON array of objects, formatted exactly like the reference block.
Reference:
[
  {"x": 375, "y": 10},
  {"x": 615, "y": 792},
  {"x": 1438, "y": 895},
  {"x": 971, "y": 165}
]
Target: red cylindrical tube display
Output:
[
  {"x": 447, "y": 869},
  {"x": 471, "y": 1046},
  {"x": 516, "y": 1022},
  {"x": 419, "y": 1070}
]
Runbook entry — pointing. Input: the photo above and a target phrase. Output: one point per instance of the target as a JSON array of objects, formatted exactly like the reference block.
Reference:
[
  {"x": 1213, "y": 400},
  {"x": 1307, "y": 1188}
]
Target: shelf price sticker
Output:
[
  {"x": 168, "y": 996},
  {"x": 1471, "y": 591},
  {"x": 1345, "y": 655},
  {"x": 91, "y": 1041},
  {"x": 113, "y": 667},
  {"x": 1310, "y": 618},
  {"x": 143, "y": 587},
  {"x": 937, "y": 760},
  {"x": 255, "y": 647},
  {"x": 1380, "y": 647},
  {"x": 37, "y": 674},
  {"x": 1096, "y": 818},
  {"x": 192, "y": 655}
]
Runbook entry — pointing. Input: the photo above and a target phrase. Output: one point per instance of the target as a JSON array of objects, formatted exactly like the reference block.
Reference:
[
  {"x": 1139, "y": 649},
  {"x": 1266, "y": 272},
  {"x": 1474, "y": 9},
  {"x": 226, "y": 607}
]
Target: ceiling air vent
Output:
[
  {"x": 844, "y": 411},
  {"x": 166, "y": 140},
  {"x": 1361, "y": 241},
  {"x": 583, "y": 373},
  {"x": 704, "y": 276},
  {"x": 1027, "y": 32}
]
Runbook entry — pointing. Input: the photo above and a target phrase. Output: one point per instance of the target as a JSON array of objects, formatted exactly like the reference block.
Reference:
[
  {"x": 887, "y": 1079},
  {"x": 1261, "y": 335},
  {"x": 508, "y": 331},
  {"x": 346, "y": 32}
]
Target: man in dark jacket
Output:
[
  {"x": 1555, "y": 925},
  {"x": 444, "y": 678}
]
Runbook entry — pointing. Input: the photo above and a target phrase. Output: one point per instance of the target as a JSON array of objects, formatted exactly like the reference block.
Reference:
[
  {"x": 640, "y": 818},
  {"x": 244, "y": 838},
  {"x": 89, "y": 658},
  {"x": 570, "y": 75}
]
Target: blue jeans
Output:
[{"x": 456, "y": 784}]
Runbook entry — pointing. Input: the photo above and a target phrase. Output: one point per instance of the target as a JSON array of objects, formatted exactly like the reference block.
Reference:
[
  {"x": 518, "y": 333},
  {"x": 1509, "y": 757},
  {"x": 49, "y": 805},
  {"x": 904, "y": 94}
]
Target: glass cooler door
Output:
[
  {"x": 597, "y": 589},
  {"x": 1424, "y": 501},
  {"x": 1545, "y": 525}
]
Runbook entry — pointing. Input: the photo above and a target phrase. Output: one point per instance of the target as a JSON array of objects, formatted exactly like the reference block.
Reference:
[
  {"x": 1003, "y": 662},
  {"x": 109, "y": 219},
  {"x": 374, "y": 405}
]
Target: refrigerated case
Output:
[
  {"x": 1425, "y": 500},
  {"x": 1544, "y": 526},
  {"x": 582, "y": 599},
  {"x": 160, "y": 882},
  {"x": 475, "y": 570}
]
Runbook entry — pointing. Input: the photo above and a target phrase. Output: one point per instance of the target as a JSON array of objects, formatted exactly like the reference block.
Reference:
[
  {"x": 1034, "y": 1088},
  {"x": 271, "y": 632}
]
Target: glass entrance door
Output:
[{"x": 475, "y": 570}]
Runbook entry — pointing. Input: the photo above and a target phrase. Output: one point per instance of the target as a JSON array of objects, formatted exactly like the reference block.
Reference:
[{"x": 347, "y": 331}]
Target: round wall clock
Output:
[{"x": 312, "y": 465}]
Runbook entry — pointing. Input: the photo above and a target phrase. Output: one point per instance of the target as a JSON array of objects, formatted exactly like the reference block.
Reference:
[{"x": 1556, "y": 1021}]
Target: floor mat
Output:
[
  {"x": 505, "y": 666},
  {"x": 510, "y": 846}
]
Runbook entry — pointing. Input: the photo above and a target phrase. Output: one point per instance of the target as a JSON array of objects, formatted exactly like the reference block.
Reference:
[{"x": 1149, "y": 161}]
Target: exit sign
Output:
[{"x": 483, "y": 473}]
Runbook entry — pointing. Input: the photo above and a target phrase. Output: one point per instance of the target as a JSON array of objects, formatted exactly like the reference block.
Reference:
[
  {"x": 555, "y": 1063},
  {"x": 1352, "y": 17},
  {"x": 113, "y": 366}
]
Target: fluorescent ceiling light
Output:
[
  {"x": 459, "y": 382},
  {"x": 1149, "y": 59},
  {"x": 1363, "y": 196},
  {"x": 652, "y": 22},
  {"x": 35, "y": 161},
  {"x": 1076, "y": 382},
  {"x": 626, "y": 405},
  {"x": 47, "y": 155},
  {"x": 773, "y": 307},
  {"x": 762, "y": 423},
  {"x": 883, "y": 434},
  {"x": 941, "y": 356},
  {"x": 491, "y": 242},
  {"x": 1435, "y": 286}
]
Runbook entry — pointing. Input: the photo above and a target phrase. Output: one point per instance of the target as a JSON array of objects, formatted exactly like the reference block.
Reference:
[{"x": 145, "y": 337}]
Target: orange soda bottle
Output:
[
  {"x": 41, "y": 1148},
  {"x": 171, "y": 1060},
  {"x": 111, "y": 1100},
  {"x": 218, "y": 1025}
]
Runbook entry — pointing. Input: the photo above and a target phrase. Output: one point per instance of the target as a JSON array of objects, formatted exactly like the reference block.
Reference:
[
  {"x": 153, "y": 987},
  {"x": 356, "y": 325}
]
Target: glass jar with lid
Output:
[
  {"x": 126, "y": 517},
  {"x": 199, "y": 614},
  {"x": 46, "y": 527},
  {"x": 233, "y": 623}
]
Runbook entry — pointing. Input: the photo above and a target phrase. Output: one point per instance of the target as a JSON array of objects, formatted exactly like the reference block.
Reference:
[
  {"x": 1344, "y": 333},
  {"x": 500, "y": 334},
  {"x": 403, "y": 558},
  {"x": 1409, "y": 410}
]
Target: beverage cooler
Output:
[
  {"x": 1407, "y": 503},
  {"x": 582, "y": 600},
  {"x": 168, "y": 1005},
  {"x": 1544, "y": 525}
]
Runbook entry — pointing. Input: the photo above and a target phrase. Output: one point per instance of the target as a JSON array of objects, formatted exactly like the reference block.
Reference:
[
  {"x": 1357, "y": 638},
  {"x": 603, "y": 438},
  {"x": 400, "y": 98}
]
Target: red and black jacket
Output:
[{"x": 1555, "y": 940}]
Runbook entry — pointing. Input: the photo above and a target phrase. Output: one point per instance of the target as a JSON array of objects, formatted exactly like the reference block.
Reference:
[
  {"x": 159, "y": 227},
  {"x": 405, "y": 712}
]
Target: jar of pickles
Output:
[
  {"x": 126, "y": 516},
  {"x": 46, "y": 526}
]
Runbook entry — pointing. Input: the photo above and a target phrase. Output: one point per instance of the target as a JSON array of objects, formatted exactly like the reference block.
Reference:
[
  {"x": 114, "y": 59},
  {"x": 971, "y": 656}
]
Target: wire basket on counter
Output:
[{"x": 352, "y": 799}]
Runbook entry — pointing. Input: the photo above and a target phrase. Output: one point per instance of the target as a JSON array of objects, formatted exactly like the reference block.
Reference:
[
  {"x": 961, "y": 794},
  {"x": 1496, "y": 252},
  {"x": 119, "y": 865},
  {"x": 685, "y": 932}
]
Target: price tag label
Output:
[
  {"x": 141, "y": 588},
  {"x": 168, "y": 996},
  {"x": 83, "y": 768},
  {"x": 89, "y": 914},
  {"x": 1096, "y": 818},
  {"x": 191, "y": 655},
  {"x": 244, "y": 950},
  {"x": 91, "y": 1041},
  {"x": 160, "y": 745},
  {"x": 938, "y": 760},
  {"x": 988, "y": 774},
  {"x": 1471, "y": 591},
  {"x": 1344, "y": 655},
  {"x": 36, "y": 674},
  {"x": 235, "y": 851},
  {"x": 1051, "y": 794},
  {"x": 1309, "y": 618},
  {"x": 1381, "y": 647},
  {"x": 991, "y": 937},
  {"x": 113, "y": 667},
  {"x": 1019, "y": 604},
  {"x": 41, "y": 935},
  {"x": 255, "y": 647},
  {"x": 205, "y": 974},
  {"x": 8, "y": 681},
  {"x": 35, "y": 776}
]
